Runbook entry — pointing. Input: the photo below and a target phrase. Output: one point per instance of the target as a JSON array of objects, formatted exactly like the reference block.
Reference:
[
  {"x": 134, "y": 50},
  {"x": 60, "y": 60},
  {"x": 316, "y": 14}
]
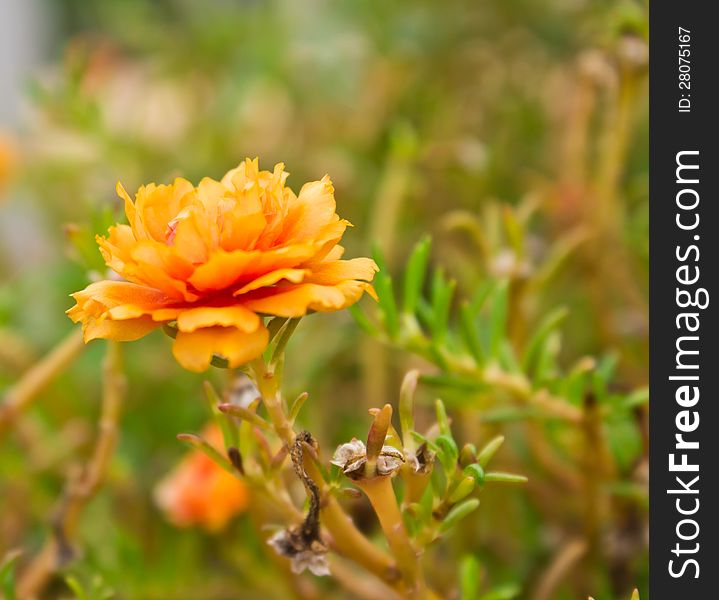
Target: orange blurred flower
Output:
[
  {"x": 215, "y": 257},
  {"x": 7, "y": 161},
  {"x": 199, "y": 492}
]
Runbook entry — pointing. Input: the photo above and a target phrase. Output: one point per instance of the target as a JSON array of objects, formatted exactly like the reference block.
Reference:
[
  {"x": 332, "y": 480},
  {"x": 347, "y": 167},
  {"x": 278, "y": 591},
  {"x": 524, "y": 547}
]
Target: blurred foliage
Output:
[{"x": 513, "y": 132}]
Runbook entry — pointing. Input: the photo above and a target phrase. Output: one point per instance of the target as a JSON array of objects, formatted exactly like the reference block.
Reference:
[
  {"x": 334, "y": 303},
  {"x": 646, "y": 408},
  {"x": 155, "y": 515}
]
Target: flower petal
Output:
[
  {"x": 334, "y": 271},
  {"x": 313, "y": 209},
  {"x": 238, "y": 316},
  {"x": 296, "y": 300},
  {"x": 271, "y": 278},
  {"x": 194, "y": 351},
  {"x": 157, "y": 205},
  {"x": 120, "y": 331},
  {"x": 226, "y": 268}
]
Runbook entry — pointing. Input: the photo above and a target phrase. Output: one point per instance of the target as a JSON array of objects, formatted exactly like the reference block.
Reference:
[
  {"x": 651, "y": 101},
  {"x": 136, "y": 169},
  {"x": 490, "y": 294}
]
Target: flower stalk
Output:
[{"x": 21, "y": 395}]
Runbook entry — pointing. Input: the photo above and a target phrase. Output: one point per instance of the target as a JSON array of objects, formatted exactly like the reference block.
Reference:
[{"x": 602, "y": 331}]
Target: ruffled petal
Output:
[
  {"x": 190, "y": 320},
  {"x": 271, "y": 278},
  {"x": 312, "y": 210},
  {"x": 157, "y": 205},
  {"x": 332, "y": 272},
  {"x": 226, "y": 268},
  {"x": 296, "y": 300},
  {"x": 194, "y": 351},
  {"x": 121, "y": 331}
]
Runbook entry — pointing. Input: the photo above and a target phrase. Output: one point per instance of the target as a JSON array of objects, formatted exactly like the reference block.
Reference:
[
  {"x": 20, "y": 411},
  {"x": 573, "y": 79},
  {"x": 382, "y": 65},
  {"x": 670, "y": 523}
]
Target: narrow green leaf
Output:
[
  {"x": 458, "y": 512},
  {"x": 406, "y": 407},
  {"x": 245, "y": 414},
  {"x": 198, "y": 443},
  {"x": 297, "y": 405},
  {"x": 229, "y": 430},
  {"x": 363, "y": 321},
  {"x": 74, "y": 584},
  {"x": 415, "y": 274},
  {"x": 442, "y": 292},
  {"x": 636, "y": 398},
  {"x": 503, "y": 592},
  {"x": 476, "y": 472},
  {"x": 442, "y": 418},
  {"x": 498, "y": 317},
  {"x": 470, "y": 578},
  {"x": 500, "y": 477},
  {"x": 489, "y": 450},
  {"x": 387, "y": 304},
  {"x": 274, "y": 325},
  {"x": 539, "y": 338},
  {"x": 463, "y": 489},
  {"x": 282, "y": 338},
  {"x": 7, "y": 574},
  {"x": 470, "y": 332},
  {"x": 513, "y": 229},
  {"x": 447, "y": 454},
  {"x": 453, "y": 381}
]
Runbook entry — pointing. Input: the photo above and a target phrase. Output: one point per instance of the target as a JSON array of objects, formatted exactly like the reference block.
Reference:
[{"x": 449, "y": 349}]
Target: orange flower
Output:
[
  {"x": 7, "y": 161},
  {"x": 214, "y": 258},
  {"x": 199, "y": 492}
]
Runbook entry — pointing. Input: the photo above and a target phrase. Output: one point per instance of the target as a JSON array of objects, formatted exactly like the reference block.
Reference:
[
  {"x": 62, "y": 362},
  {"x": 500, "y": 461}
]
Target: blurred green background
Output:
[{"x": 431, "y": 118}]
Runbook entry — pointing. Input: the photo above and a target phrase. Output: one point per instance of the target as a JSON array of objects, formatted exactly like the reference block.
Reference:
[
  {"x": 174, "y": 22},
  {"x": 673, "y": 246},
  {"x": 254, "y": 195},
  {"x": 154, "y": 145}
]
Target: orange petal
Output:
[
  {"x": 237, "y": 316},
  {"x": 222, "y": 269},
  {"x": 110, "y": 294},
  {"x": 225, "y": 268},
  {"x": 157, "y": 205},
  {"x": 120, "y": 331},
  {"x": 242, "y": 222},
  {"x": 313, "y": 208},
  {"x": 192, "y": 234},
  {"x": 271, "y": 278},
  {"x": 334, "y": 271},
  {"x": 195, "y": 350},
  {"x": 296, "y": 300},
  {"x": 132, "y": 217}
]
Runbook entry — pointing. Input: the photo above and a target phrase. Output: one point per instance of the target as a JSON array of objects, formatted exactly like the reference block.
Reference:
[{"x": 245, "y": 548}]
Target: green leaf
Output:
[
  {"x": 503, "y": 592},
  {"x": 470, "y": 578},
  {"x": 362, "y": 320},
  {"x": 387, "y": 304},
  {"x": 536, "y": 343},
  {"x": 442, "y": 419},
  {"x": 458, "y": 512},
  {"x": 476, "y": 471},
  {"x": 442, "y": 292},
  {"x": 418, "y": 437},
  {"x": 415, "y": 274},
  {"x": 470, "y": 332},
  {"x": 198, "y": 443},
  {"x": 448, "y": 453},
  {"x": 406, "y": 407},
  {"x": 282, "y": 338},
  {"x": 498, "y": 317},
  {"x": 489, "y": 450},
  {"x": 501, "y": 477},
  {"x": 638, "y": 397},
  {"x": 297, "y": 405},
  {"x": 463, "y": 489},
  {"x": 74, "y": 584},
  {"x": 7, "y": 574},
  {"x": 230, "y": 432},
  {"x": 245, "y": 414},
  {"x": 453, "y": 381}
]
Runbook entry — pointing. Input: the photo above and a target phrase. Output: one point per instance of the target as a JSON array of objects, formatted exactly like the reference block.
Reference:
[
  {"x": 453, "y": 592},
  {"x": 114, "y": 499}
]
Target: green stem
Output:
[
  {"x": 381, "y": 495},
  {"x": 268, "y": 385}
]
